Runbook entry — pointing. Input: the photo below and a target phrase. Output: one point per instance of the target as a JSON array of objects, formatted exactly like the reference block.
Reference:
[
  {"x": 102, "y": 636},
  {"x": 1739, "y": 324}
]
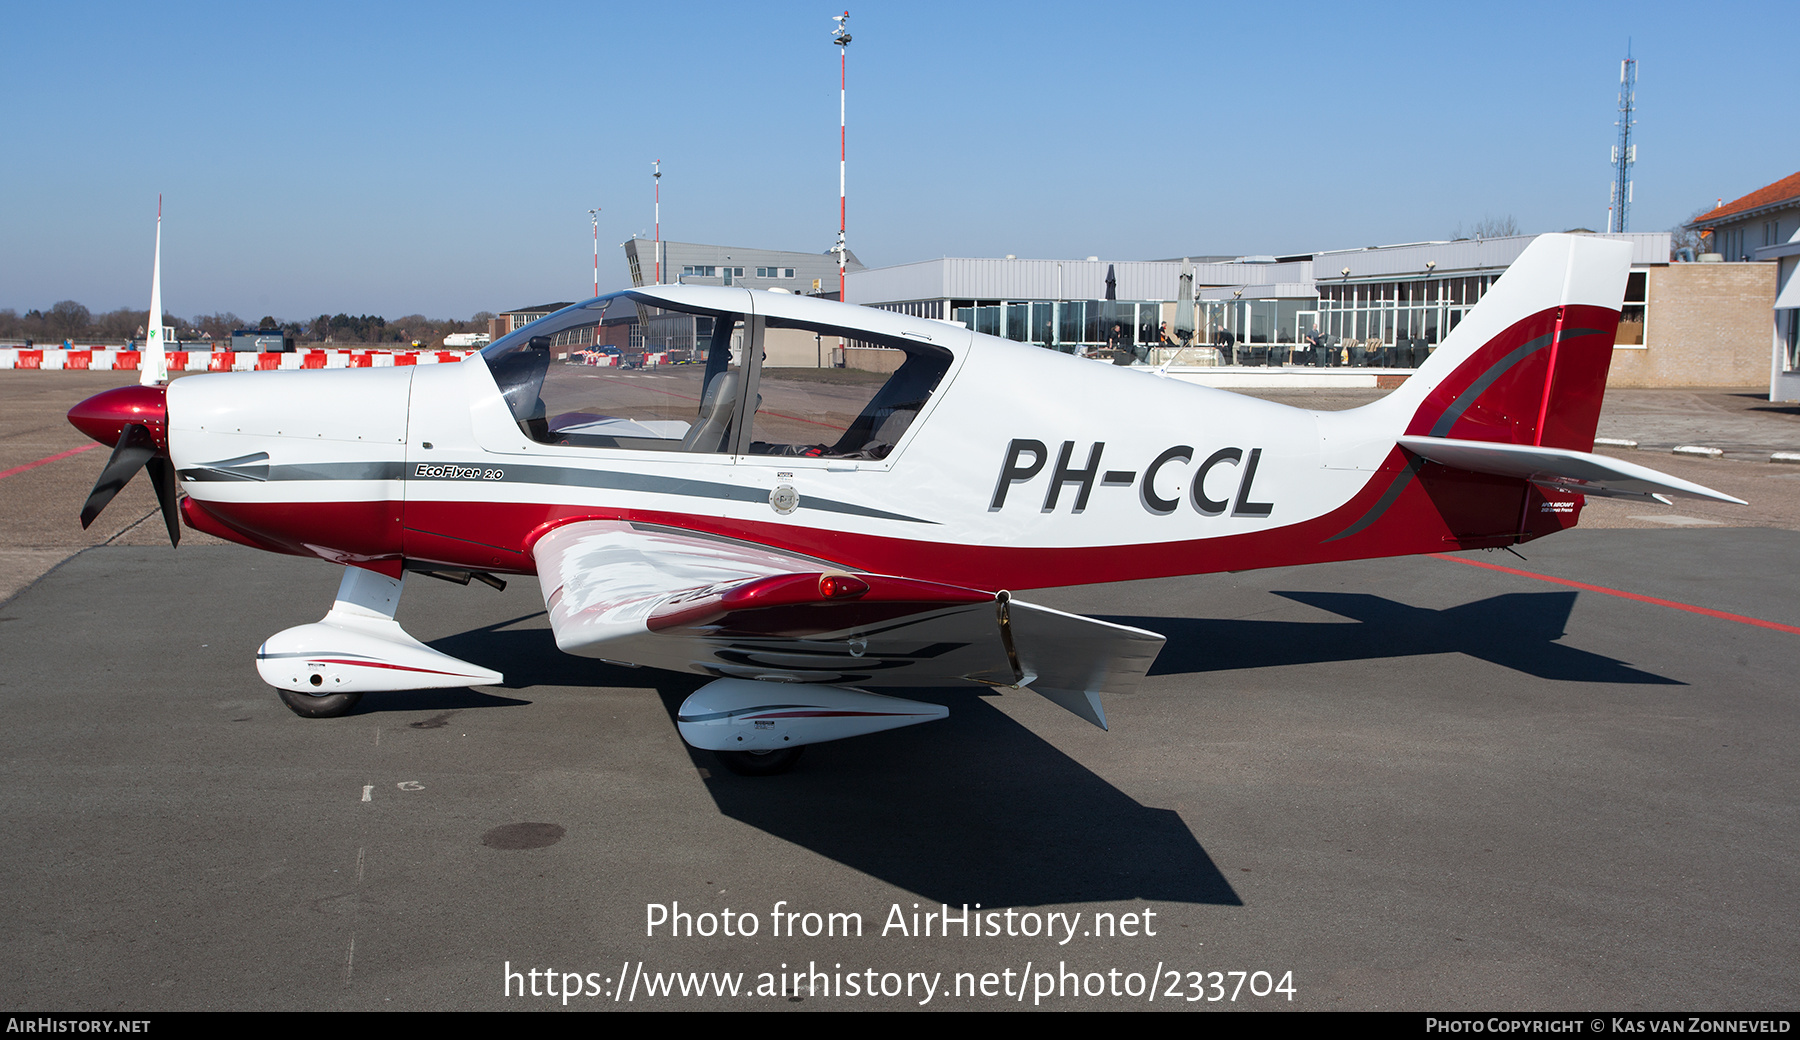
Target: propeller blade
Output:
[
  {"x": 135, "y": 448},
  {"x": 162, "y": 476}
]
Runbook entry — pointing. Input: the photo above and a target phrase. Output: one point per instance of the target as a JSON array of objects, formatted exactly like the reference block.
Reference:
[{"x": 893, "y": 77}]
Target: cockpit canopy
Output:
[{"x": 641, "y": 371}]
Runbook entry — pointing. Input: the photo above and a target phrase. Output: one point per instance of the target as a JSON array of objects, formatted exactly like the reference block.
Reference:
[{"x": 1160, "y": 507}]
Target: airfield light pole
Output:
[
  {"x": 656, "y": 178},
  {"x": 595, "y": 215},
  {"x": 841, "y": 37}
]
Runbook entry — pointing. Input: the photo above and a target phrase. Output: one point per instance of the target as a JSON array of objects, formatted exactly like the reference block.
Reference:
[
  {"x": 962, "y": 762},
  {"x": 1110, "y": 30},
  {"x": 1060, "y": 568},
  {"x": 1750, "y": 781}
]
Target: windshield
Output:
[{"x": 634, "y": 372}]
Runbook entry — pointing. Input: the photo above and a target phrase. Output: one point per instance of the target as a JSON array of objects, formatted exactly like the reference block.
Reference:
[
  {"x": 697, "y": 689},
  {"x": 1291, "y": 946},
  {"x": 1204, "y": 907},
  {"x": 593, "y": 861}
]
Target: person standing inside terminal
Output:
[{"x": 1120, "y": 342}]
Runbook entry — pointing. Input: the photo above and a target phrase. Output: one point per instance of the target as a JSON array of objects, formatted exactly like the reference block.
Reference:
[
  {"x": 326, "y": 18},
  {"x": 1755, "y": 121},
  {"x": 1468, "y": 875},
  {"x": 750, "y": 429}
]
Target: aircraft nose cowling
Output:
[
  {"x": 303, "y": 462},
  {"x": 104, "y": 416}
]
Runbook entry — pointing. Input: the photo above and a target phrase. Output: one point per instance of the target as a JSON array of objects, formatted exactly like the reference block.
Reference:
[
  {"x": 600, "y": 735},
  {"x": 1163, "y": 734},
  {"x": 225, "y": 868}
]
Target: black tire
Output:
[
  {"x": 760, "y": 763},
  {"x": 321, "y": 706}
]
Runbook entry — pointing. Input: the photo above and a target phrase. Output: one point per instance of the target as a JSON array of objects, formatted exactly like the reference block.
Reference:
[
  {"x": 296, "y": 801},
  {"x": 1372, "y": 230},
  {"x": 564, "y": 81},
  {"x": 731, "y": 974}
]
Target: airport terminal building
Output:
[
  {"x": 1384, "y": 307},
  {"x": 1686, "y": 324},
  {"x": 692, "y": 263}
]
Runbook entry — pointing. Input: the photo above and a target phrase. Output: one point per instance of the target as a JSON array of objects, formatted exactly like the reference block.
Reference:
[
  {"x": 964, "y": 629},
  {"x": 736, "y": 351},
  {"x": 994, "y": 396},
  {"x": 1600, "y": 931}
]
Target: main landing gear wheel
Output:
[
  {"x": 759, "y": 763},
  {"x": 318, "y": 706}
]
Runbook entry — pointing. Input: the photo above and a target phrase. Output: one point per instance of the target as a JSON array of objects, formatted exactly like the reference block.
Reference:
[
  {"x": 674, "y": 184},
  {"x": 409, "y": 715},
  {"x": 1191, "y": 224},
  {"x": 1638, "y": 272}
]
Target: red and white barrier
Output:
[{"x": 105, "y": 359}]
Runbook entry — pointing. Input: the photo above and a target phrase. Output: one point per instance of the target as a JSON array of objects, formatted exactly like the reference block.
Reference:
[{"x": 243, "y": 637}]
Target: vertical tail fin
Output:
[
  {"x": 1528, "y": 364},
  {"x": 1495, "y": 432}
]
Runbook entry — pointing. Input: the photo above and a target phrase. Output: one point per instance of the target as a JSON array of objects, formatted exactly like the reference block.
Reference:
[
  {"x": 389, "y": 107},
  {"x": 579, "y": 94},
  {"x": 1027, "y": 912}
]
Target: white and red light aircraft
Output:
[{"x": 805, "y": 538}]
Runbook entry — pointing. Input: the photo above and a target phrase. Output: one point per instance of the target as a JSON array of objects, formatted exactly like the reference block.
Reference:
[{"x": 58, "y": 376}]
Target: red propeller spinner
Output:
[
  {"x": 104, "y": 415},
  {"x": 134, "y": 421}
]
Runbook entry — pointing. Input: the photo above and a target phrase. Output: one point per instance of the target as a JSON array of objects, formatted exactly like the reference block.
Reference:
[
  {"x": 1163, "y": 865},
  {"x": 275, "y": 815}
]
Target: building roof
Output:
[
  {"x": 1785, "y": 190},
  {"x": 542, "y": 308},
  {"x": 677, "y": 257},
  {"x": 989, "y": 278}
]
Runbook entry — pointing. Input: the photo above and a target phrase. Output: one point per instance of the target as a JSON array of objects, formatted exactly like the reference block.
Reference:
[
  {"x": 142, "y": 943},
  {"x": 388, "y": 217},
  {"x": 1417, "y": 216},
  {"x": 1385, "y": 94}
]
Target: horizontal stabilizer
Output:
[{"x": 1576, "y": 471}]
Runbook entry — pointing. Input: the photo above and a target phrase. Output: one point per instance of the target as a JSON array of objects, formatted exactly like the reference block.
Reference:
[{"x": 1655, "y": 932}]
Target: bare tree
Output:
[
  {"x": 1681, "y": 236},
  {"x": 69, "y": 319},
  {"x": 118, "y": 324},
  {"x": 218, "y": 326},
  {"x": 1490, "y": 227}
]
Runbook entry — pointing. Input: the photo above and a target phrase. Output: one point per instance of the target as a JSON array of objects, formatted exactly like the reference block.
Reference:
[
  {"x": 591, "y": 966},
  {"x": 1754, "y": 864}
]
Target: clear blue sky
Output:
[{"x": 441, "y": 158}]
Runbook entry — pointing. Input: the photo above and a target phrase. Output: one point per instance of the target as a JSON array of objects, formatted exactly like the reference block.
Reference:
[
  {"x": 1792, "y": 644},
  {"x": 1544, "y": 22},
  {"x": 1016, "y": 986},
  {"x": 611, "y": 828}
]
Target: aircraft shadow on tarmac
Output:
[
  {"x": 1518, "y": 630},
  {"x": 979, "y": 809},
  {"x": 974, "y": 809}
]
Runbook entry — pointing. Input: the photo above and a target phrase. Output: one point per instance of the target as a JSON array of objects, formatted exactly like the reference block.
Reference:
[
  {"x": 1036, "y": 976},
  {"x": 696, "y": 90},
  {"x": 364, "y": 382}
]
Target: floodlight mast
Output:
[
  {"x": 595, "y": 215},
  {"x": 841, "y": 36},
  {"x": 656, "y": 178}
]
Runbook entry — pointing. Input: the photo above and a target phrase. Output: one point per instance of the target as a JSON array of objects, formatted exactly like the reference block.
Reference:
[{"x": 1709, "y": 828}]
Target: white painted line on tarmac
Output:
[{"x": 1680, "y": 521}]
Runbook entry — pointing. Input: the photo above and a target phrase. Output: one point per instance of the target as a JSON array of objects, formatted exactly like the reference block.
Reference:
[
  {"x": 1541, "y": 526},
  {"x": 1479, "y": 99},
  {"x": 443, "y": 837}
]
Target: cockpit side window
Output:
[
  {"x": 622, "y": 373},
  {"x": 633, "y": 372},
  {"x": 824, "y": 394}
]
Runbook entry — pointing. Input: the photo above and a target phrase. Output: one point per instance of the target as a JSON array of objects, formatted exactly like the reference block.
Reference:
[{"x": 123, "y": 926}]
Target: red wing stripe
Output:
[{"x": 1689, "y": 607}]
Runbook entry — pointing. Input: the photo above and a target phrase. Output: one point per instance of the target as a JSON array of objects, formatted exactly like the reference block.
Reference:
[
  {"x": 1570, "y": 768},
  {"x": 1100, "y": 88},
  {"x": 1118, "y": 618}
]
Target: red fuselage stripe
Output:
[
  {"x": 1689, "y": 607},
  {"x": 379, "y": 664},
  {"x": 46, "y": 460},
  {"x": 823, "y": 713}
]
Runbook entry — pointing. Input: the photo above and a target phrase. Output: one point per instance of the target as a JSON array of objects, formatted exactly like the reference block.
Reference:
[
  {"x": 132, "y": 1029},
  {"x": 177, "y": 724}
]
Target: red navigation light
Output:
[{"x": 841, "y": 586}]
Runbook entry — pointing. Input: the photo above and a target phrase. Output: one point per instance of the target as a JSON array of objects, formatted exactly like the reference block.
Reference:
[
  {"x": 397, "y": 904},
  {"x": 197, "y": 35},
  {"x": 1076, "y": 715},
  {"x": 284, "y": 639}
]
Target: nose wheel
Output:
[
  {"x": 318, "y": 706},
  {"x": 758, "y": 763}
]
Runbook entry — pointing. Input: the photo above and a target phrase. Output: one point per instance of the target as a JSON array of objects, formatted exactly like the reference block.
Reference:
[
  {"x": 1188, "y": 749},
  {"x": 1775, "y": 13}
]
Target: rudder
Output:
[{"x": 1528, "y": 364}]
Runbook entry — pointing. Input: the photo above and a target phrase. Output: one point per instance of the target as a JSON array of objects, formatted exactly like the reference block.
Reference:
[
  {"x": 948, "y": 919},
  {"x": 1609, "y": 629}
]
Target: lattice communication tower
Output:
[{"x": 1624, "y": 153}]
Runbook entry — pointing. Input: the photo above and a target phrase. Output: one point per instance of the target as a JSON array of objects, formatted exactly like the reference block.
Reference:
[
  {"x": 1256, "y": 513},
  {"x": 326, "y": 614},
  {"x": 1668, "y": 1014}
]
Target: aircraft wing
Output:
[
  {"x": 670, "y": 598},
  {"x": 1560, "y": 468}
]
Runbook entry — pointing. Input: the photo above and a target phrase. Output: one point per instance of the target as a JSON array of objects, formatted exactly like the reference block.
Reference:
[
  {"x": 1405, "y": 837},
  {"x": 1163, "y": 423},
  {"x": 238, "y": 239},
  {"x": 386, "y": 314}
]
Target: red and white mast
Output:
[
  {"x": 595, "y": 215},
  {"x": 841, "y": 37}
]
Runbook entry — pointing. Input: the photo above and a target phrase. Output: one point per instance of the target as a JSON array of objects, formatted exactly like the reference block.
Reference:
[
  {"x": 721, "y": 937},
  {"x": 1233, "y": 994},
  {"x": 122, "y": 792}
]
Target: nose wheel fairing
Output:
[{"x": 358, "y": 647}]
